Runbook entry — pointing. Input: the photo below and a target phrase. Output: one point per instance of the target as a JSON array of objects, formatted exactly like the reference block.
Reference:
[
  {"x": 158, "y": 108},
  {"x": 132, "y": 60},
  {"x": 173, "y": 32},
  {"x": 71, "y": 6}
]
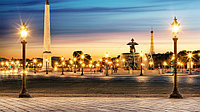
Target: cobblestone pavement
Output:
[{"x": 101, "y": 104}]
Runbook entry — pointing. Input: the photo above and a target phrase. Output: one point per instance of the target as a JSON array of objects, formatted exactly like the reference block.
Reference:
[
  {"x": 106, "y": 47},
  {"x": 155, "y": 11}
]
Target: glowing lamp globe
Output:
[
  {"x": 175, "y": 26},
  {"x": 23, "y": 31}
]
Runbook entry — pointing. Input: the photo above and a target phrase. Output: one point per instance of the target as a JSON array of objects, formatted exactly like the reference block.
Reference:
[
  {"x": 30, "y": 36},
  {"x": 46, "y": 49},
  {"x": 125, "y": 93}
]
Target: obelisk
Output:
[
  {"x": 152, "y": 43},
  {"x": 47, "y": 39}
]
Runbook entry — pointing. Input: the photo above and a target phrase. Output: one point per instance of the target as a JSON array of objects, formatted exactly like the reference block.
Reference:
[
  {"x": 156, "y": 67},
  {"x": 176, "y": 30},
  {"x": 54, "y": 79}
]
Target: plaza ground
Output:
[
  {"x": 90, "y": 85},
  {"x": 98, "y": 104}
]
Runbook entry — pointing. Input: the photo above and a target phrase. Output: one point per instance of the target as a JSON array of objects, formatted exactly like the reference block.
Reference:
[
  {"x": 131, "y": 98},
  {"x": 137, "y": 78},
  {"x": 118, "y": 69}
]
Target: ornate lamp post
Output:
[
  {"x": 97, "y": 65},
  {"x": 2, "y": 64},
  {"x": 35, "y": 62},
  {"x": 100, "y": 68},
  {"x": 63, "y": 63},
  {"x": 46, "y": 66},
  {"x": 71, "y": 64},
  {"x": 24, "y": 32},
  {"x": 106, "y": 63},
  {"x": 75, "y": 65},
  {"x": 82, "y": 63},
  {"x": 175, "y": 28},
  {"x": 150, "y": 65},
  {"x": 55, "y": 66},
  {"x": 90, "y": 65},
  {"x": 141, "y": 74},
  {"x": 164, "y": 64},
  {"x": 190, "y": 63}
]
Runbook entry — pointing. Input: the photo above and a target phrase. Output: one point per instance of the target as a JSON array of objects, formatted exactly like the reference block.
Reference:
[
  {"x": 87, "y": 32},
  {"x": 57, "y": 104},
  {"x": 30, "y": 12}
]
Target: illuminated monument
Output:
[
  {"x": 152, "y": 44},
  {"x": 47, "y": 39},
  {"x": 132, "y": 57},
  {"x": 150, "y": 55}
]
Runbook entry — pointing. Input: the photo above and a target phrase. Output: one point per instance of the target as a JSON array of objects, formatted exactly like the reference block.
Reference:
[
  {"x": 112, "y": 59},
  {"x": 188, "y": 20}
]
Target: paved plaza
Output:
[
  {"x": 99, "y": 104},
  {"x": 99, "y": 86}
]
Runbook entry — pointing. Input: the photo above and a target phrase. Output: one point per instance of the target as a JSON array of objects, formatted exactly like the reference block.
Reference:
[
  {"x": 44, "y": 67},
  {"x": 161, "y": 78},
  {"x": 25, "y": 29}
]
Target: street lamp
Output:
[
  {"x": 63, "y": 63},
  {"x": 90, "y": 65},
  {"x": 71, "y": 63},
  {"x": 2, "y": 64},
  {"x": 100, "y": 68},
  {"x": 82, "y": 63},
  {"x": 24, "y": 33},
  {"x": 182, "y": 67},
  {"x": 164, "y": 64},
  {"x": 35, "y": 61},
  {"x": 150, "y": 65},
  {"x": 141, "y": 74},
  {"x": 190, "y": 63},
  {"x": 175, "y": 28},
  {"x": 106, "y": 62},
  {"x": 75, "y": 65},
  {"x": 46, "y": 65}
]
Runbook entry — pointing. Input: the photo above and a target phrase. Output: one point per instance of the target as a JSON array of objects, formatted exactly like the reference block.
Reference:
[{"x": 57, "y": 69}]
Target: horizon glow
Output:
[{"x": 99, "y": 26}]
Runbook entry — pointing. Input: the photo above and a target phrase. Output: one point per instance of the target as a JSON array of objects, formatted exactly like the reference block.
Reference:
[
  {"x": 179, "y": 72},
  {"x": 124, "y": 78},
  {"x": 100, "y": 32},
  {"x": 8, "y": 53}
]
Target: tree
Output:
[
  {"x": 87, "y": 59},
  {"x": 77, "y": 54}
]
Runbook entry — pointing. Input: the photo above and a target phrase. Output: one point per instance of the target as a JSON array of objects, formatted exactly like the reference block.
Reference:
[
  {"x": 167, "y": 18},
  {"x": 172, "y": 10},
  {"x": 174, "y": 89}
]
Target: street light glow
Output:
[
  {"x": 190, "y": 55},
  {"x": 82, "y": 56},
  {"x": 23, "y": 31},
  {"x": 62, "y": 58},
  {"x": 117, "y": 60},
  {"x": 71, "y": 62},
  {"x": 141, "y": 54},
  {"x": 107, "y": 55},
  {"x": 151, "y": 63},
  {"x": 165, "y": 63},
  {"x": 83, "y": 65},
  {"x": 2, "y": 63},
  {"x": 56, "y": 63},
  {"x": 35, "y": 61},
  {"x": 97, "y": 65},
  {"x": 175, "y": 27}
]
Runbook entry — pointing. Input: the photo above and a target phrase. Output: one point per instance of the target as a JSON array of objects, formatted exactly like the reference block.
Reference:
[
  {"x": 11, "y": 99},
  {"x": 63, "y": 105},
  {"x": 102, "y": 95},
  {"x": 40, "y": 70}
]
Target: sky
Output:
[{"x": 98, "y": 26}]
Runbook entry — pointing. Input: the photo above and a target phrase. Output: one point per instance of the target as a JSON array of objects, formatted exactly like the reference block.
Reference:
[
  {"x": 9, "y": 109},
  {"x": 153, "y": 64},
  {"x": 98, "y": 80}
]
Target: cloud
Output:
[
  {"x": 30, "y": 3},
  {"x": 95, "y": 9}
]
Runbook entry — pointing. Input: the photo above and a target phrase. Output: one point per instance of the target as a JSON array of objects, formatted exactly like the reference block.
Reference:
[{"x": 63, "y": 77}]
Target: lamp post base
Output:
[
  {"x": 62, "y": 73},
  {"x": 190, "y": 74},
  {"x": 176, "y": 94},
  {"x": 24, "y": 94}
]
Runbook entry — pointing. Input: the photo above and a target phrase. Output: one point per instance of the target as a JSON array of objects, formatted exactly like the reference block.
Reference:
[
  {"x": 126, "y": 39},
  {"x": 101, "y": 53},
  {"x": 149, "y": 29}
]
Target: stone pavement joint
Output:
[{"x": 99, "y": 104}]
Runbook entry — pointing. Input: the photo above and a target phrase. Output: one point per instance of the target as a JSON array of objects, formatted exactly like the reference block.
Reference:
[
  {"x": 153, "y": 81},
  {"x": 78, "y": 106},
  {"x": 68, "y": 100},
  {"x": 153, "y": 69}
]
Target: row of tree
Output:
[{"x": 182, "y": 56}]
